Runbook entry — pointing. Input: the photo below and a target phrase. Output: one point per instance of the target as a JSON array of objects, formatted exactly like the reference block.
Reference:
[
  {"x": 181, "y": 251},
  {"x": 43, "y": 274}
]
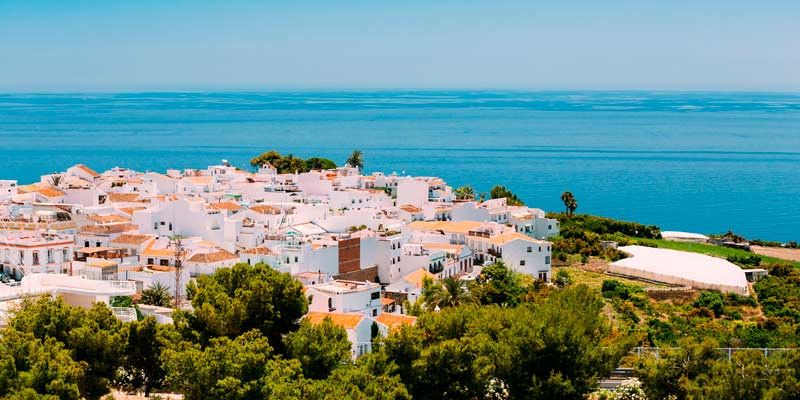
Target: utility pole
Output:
[{"x": 176, "y": 241}]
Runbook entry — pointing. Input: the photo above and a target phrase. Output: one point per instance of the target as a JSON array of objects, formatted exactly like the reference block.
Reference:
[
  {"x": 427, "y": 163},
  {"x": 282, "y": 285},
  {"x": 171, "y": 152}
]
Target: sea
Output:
[{"x": 704, "y": 162}]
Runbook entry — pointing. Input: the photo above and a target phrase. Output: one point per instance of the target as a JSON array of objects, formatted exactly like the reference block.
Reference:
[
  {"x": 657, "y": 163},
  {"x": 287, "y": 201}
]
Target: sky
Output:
[{"x": 262, "y": 45}]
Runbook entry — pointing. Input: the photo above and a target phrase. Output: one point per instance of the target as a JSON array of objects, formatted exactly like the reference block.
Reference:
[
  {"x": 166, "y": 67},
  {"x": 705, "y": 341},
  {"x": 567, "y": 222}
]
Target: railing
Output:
[
  {"x": 725, "y": 351},
  {"x": 478, "y": 234},
  {"x": 494, "y": 252},
  {"x": 125, "y": 285},
  {"x": 125, "y": 314}
]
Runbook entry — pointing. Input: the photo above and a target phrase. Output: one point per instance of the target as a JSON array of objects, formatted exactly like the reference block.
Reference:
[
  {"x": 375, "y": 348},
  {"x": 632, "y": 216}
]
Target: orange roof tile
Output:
[
  {"x": 504, "y": 238},
  {"x": 123, "y": 197},
  {"x": 346, "y": 321},
  {"x": 104, "y": 219},
  {"x": 417, "y": 277},
  {"x": 256, "y": 250},
  {"x": 264, "y": 209},
  {"x": 132, "y": 239},
  {"x": 50, "y": 192},
  {"x": 87, "y": 170},
  {"x": 410, "y": 208},
  {"x": 393, "y": 321},
  {"x": 220, "y": 255},
  {"x": 226, "y": 205}
]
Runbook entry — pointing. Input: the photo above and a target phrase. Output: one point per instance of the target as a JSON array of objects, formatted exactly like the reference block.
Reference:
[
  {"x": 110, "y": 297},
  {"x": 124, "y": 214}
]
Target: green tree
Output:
[
  {"x": 156, "y": 295},
  {"x": 319, "y": 163},
  {"x": 93, "y": 337},
  {"x": 272, "y": 157},
  {"x": 448, "y": 292},
  {"x": 570, "y": 203},
  {"x": 225, "y": 369},
  {"x": 31, "y": 368},
  {"x": 499, "y": 192},
  {"x": 356, "y": 160},
  {"x": 497, "y": 284},
  {"x": 563, "y": 278},
  {"x": 142, "y": 367},
  {"x": 465, "y": 193},
  {"x": 319, "y": 348},
  {"x": 242, "y": 298}
]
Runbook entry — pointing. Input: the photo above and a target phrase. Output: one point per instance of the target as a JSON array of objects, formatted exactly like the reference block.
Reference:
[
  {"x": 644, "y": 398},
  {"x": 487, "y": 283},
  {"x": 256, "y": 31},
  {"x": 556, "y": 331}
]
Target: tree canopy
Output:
[
  {"x": 291, "y": 164},
  {"x": 499, "y": 192},
  {"x": 244, "y": 297}
]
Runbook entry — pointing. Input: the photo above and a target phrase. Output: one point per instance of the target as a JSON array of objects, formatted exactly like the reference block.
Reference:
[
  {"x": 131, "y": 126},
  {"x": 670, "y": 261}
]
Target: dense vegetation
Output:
[{"x": 290, "y": 163}]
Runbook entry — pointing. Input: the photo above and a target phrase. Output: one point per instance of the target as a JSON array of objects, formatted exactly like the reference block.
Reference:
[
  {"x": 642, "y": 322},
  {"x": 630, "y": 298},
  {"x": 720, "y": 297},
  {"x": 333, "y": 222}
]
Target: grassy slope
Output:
[
  {"x": 595, "y": 279},
  {"x": 711, "y": 250}
]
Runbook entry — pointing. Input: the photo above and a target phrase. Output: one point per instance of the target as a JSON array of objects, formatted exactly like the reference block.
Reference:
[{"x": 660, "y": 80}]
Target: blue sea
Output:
[{"x": 695, "y": 161}]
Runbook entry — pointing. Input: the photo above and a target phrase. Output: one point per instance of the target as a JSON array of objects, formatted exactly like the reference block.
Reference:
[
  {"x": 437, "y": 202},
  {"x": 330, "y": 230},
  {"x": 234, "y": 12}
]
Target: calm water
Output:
[{"x": 703, "y": 162}]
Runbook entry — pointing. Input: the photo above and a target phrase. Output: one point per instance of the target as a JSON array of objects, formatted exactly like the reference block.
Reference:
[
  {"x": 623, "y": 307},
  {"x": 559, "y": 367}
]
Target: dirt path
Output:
[{"x": 777, "y": 252}]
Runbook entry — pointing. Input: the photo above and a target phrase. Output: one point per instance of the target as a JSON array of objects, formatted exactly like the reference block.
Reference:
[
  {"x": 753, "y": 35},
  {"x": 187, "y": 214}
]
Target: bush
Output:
[
  {"x": 711, "y": 300},
  {"x": 563, "y": 278}
]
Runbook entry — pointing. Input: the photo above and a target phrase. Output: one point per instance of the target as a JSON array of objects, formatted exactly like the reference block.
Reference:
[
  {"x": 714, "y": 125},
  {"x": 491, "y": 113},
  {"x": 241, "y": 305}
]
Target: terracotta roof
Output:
[
  {"x": 150, "y": 251},
  {"x": 504, "y": 238},
  {"x": 346, "y": 321},
  {"x": 417, "y": 277},
  {"x": 220, "y": 255},
  {"x": 386, "y": 301},
  {"x": 87, "y": 170},
  {"x": 50, "y": 192},
  {"x": 455, "y": 248},
  {"x": 393, "y": 321},
  {"x": 111, "y": 228},
  {"x": 101, "y": 263},
  {"x": 200, "y": 180},
  {"x": 27, "y": 188},
  {"x": 410, "y": 208},
  {"x": 107, "y": 218},
  {"x": 226, "y": 205},
  {"x": 131, "y": 239},
  {"x": 256, "y": 250},
  {"x": 264, "y": 209},
  {"x": 123, "y": 197},
  {"x": 446, "y": 226},
  {"x": 130, "y": 210}
]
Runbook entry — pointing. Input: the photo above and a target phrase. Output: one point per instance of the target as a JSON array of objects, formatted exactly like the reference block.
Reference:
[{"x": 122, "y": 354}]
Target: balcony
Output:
[
  {"x": 478, "y": 234},
  {"x": 495, "y": 252}
]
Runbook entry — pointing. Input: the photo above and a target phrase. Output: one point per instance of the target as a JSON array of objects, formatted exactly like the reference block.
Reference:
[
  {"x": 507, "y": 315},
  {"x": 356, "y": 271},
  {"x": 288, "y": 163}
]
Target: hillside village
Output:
[{"x": 362, "y": 245}]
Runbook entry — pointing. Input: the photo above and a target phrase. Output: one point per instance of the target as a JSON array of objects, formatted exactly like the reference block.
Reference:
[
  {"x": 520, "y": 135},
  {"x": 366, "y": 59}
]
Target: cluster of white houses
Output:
[{"x": 361, "y": 244}]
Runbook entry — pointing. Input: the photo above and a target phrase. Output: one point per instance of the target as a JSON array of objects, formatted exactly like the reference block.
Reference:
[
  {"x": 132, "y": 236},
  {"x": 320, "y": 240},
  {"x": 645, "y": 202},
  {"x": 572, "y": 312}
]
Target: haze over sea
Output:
[{"x": 695, "y": 161}]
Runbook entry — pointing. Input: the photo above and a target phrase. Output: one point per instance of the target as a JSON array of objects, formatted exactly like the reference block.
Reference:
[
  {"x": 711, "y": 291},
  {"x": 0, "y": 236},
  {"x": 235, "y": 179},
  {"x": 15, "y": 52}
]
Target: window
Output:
[
  {"x": 66, "y": 255},
  {"x": 165, "y": 262},
  {"x": 49, "y": 256},
  {"x": 35, "y": 258},
  {"x": 540, "y": 249},
  {"x": 374, "y": 312},
  {"x": 150, "y": 261},
  {"x": 547, "y": 259},
  {"x": 155, "y": 225},
  {"x": 375, "y": 295},
  {"x": 97, "y": 244},
  {"x": 330, "y": 304},
  {"x": 170, "y": 226},
  {"x": 295, "y": 259},
  {"x": 163, "y": 223},
  {"x": 521, "y": 263},
  {"x": 543, "y": 275},
  {"x": 530, "y": 249},
  {"x": 86, "y": 243}
]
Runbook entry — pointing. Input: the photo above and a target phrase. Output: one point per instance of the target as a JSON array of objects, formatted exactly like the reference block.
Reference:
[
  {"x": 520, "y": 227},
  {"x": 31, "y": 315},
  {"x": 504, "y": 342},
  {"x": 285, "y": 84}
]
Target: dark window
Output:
[
  {"x": 522, "y": 262},
  {"x": 165, "y": 262},
  {"x": 375, "y": 295},
  {"x": 150, "y": 261},
  {"x": 86, "y": 244},
  {"x": 530, "y": 249}
]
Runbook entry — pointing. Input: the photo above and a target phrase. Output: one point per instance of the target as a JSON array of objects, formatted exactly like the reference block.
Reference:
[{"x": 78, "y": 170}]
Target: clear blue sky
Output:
[{"x": 165, "y": 44}]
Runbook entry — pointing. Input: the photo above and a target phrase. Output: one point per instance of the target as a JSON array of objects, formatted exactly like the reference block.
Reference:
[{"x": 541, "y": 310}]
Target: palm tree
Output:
[
  {"x": 570, "y": 203},
  {"x": 157, "y": 295},
  {"x": 55, "y": 180},
  {"x": 465, "y": 193},
  {"x": 482, "y": 196},
  {"x": 356, "y": 160},
  {"x": 449, "y": 292}
]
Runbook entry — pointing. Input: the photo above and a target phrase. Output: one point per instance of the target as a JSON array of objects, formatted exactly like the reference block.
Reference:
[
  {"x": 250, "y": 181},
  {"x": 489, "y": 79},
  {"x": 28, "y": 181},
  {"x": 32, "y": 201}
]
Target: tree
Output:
[
  {"x": 319, "y": 348},
  {"x": 570, "y": 203},
  {"x": 31, "y": 368},
  {"x": 563, "y": 278},
  {"x": 142, "y": 368},
  {"x": 356, "y": 160},
  {"x": 499, "y": 192},
  {"x": 242, "y": 298},
  {"x": 319, "y": 163},
  {"x": 272, "y": 157},
  {"x": 55, "y": 179},
  {"x": 465, "y": 193},
  {"x": 156, "y": 295},
  {"x": 448, "y": 292},
  {"x": 93, "y": 337},
  {"x": 225, "y": 369},
  {"x": 497, "y": 284},
  {"x": 556, "y": 349}
]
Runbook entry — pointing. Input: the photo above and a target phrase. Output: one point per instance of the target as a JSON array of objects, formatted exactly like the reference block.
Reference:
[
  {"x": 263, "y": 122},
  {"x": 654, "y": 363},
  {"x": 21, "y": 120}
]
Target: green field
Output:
[
  {"x": 711, "y": 250},
  {"x": 595, "y": 279}
]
